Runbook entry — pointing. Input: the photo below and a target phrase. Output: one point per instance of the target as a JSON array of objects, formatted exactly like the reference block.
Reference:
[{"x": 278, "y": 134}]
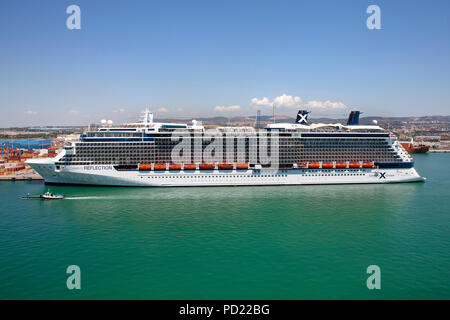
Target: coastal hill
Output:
[
  {"x": 408, "y": 126},
  {"x": 282, "y": 118},
  {"x": 401, "y": 126}
]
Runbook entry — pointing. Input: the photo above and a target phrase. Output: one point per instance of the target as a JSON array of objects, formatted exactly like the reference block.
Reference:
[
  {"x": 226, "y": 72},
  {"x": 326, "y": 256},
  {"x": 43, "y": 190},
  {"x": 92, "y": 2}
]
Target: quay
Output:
[
  {"x": 24, "y": 175},
  {"x": 439, "y": 151}
]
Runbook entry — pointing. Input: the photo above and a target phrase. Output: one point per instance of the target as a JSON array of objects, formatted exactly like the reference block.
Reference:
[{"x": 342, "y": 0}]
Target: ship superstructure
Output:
[{"x": 149, "y": 153}]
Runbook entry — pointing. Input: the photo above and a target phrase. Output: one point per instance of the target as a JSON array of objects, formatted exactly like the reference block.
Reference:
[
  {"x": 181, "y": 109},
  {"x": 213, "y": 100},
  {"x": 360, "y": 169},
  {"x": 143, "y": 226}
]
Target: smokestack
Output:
[
  {"x": 353, "y": 118},
  {"x": 302, "y": 117}
]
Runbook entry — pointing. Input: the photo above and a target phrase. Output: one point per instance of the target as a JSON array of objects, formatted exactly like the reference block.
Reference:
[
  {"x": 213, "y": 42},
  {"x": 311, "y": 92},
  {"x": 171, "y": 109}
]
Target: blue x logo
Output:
[{"x": 382, "y": 175}]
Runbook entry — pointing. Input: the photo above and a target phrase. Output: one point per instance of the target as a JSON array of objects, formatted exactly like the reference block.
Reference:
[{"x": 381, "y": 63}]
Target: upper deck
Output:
[{"x": 147, "y": 130}]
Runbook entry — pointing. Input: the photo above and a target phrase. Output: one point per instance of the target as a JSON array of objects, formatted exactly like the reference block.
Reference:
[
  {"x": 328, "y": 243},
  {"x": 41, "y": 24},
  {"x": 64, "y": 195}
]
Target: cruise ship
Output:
[{"x": 157, "y": 154}]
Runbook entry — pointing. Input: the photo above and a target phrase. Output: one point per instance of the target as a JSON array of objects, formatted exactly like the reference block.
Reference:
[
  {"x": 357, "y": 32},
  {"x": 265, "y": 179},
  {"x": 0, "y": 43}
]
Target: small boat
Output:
[
  {"x": 207, "y": 166},
  {"x": 413, "y": 147},
  {"x": 355, "y": 165},
  {"x": 159, "y": 167},
  {"x": 145, "y": 167},
  {"x": 50, "y": 196},
  {"x": 242, "y": 166},
  {"x": 175, "y": 167},
  {"x": 314, "y": 165},
  {"x": 189, "y": 167},
  {"x": 225, "y": 166},
  {"x": 419, "y": 148},
  {"x": 341, "y": 165},
  {"x": 327, "y": 165},
  {"x": 368, "y": 164}
]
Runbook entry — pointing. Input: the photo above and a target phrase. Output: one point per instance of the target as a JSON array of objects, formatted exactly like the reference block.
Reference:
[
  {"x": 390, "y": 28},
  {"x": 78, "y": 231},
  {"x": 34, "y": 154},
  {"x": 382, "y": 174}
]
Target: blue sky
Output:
[{"x": 198, "y": 58}]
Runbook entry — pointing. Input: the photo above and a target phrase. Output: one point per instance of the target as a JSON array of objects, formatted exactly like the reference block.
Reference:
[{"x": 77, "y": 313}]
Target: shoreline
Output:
[{"x": 20, "y": 177}]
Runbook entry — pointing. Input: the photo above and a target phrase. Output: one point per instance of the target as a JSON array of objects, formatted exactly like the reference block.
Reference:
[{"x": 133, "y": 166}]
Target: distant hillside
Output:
[{"x": 250, "y": 120}]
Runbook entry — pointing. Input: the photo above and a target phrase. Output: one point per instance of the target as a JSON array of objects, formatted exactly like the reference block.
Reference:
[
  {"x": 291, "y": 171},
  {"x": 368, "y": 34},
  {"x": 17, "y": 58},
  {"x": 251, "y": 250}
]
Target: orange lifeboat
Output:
[
  {"x": 242, "y": 166},
  {"x": 175, "y": 167},
  {"x": 314, "y": 165},
  {"x": 368, "y": 164},
  {"x": 301, "y": 165},
  {"x": 190, "y": 167},
  {"x": 355, "y": 165},
  {"x": 159, "y": 167},
  {"x": 145, "y": 167},
  {"x": 206, "y": 166},
  {"x": 341, "y": 165},
  {"x": 225, "y": 166},
  {"x": 327, "y": 165}
]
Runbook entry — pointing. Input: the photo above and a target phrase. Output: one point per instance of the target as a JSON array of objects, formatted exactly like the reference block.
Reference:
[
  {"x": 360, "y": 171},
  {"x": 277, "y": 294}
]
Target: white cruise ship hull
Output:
[{"x": 107, "y": 175}]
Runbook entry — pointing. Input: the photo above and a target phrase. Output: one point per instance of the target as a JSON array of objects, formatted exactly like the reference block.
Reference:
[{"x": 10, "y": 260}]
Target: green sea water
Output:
[{"x": 295, "y": 242}]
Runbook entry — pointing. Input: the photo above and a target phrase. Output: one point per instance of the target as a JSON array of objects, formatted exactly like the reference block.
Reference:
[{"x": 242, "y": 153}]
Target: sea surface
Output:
[{"x": 294, "y": 242}]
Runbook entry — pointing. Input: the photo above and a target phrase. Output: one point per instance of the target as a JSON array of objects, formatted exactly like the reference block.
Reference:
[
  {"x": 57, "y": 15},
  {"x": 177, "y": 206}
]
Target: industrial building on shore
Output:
[{"x": 14, "y": 153}]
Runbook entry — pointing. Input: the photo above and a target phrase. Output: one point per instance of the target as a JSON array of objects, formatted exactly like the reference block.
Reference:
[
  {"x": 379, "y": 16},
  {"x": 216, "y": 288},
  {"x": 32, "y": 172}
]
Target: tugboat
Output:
[{"x": 50, "y": 196}]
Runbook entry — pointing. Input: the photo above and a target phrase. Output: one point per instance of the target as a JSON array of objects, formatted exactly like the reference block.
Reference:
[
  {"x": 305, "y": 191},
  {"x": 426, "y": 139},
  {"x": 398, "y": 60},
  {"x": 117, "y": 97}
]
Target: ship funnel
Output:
[
  {"x": 302, "y": 117},
  {"x": 353, "y": 118}
]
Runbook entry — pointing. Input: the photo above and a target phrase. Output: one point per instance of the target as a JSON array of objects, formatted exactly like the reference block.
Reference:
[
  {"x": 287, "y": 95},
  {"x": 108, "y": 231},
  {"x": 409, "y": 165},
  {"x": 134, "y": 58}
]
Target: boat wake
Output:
[{"x": 87, "y": 198}]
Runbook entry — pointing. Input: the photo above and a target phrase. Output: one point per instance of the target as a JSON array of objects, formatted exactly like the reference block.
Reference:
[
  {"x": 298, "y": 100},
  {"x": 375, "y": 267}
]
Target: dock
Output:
[
  {"x": 439, "y": 151},
  {"x": 18, "y": 176}
]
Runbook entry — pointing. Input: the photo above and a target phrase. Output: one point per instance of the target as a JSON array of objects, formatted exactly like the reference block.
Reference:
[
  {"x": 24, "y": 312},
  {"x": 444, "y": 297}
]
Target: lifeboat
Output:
[
  {"x": 145, "y": 167},
  {"x": 368, "y": 164},
  {"x": 341, "y": 165},
  {"x": 327, "y": 165},
  {"x": 159, "y": 167},
  {"x": 175, "y": 167},
  {"x": 313, "y": 165},
  {"x": 242, "y": 166},
  {"x": 225, "y": 166},
  {"x": 190, "y": 167},
  {"x": 206, "y": 166},
  {"x": 355, "y": 165},
  {"x": 301, "y": 165}
]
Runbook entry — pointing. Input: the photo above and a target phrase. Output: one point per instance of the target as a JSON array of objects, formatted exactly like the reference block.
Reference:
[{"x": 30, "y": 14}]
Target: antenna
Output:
[
  {"x": 258, "y": 119},
  {"x": 273, "y": 104}
]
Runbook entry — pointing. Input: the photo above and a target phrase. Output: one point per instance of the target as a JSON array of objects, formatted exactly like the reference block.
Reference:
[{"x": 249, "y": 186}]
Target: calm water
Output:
[{"x": 220, "y": 243}]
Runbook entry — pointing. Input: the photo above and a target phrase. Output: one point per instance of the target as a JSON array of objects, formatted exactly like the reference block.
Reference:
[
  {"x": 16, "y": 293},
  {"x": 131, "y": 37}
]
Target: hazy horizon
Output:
[{"x": 135, "y": 119}]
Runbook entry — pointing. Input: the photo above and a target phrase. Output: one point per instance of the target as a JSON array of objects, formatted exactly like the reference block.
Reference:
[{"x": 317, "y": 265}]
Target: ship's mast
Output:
[{"x": 273, "y": 105}]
